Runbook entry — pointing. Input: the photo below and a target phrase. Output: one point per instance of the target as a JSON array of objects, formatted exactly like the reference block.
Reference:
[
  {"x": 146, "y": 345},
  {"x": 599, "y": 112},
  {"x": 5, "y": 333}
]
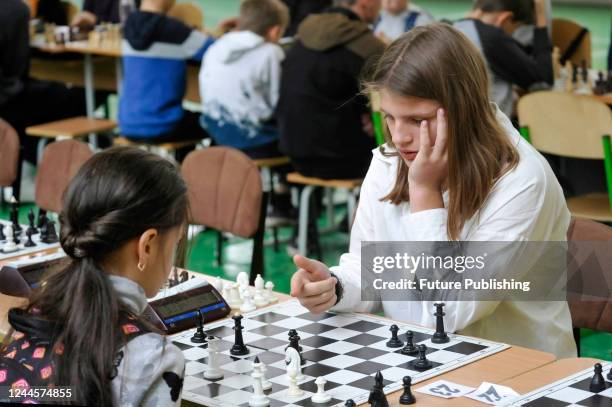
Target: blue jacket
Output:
[{"x": 155, "y": 50}]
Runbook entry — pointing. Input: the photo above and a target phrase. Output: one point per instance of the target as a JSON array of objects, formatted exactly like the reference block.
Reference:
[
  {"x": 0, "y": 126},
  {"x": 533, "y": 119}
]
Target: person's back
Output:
[
  {"x": 14, "y": 48},
  {"x": 321, "y": 114},
  {"x": 490, "y": 27},
  {"x": 156, "y": 49},
  {"x": 240, "y": 78}
]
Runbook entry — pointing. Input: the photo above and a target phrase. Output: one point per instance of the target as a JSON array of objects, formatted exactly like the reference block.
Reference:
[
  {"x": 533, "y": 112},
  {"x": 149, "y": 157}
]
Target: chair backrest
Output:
[
  {"x": 565, "y": 124},
  {"x": 564, "y": 32},
  {"x": 9, "y": 154},
  {"x": 225, "y": 190},
  {"x": 60, "y": 162},
  {"x": 189, "y": 13},
  {"x": 589, "y": 314}
]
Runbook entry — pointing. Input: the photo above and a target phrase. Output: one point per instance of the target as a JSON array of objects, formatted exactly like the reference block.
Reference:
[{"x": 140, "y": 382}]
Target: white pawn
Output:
[
  {"x": 243, "y": 280},
  {"x": 212, "y": 371},
  {"x": 234, "y": 297},
  {"x": 265, "y": 383},
  {"x": 259, "y": 399},
  {"x": 225, "y": 292},
  {"x": 293, "y": 390},
  {"x": 247, "y": 304},
  {"x": 260, "y": 299},
  {"x": 320, "y": 396},
  {"x": 10, "y": 245},
  {"x": 269, "y": 293}
]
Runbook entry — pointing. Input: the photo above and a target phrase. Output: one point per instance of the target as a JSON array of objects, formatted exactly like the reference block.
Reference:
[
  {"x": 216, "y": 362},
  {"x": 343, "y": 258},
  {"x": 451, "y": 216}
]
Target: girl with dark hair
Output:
[
  {"x": 124, "y": 214},
  {"x": 454, "y": 169}
]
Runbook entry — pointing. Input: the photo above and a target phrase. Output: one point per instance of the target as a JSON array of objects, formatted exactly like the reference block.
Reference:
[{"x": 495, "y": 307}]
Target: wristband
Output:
[{"x": 339, "y": 288}]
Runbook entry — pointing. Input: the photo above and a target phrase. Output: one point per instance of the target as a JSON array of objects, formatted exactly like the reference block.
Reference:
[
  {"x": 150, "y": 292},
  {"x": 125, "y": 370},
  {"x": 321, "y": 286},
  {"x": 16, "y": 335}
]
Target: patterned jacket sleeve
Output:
[{"x": 150, "y": 373}]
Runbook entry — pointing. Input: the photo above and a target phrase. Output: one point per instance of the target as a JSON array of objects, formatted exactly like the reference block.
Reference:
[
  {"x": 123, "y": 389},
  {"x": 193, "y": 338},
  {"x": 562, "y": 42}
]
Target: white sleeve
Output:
[
  {"x": 271, "y": 78},
  {"x": 151, "y": 373},
  {"x": 348, "y": 271}
]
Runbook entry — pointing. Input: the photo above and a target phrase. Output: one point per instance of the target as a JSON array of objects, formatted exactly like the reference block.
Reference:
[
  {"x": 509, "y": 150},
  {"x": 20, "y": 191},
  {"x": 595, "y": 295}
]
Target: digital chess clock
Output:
[
  {"x": 19, "y": 277},
  {"x": 176, "y": 309}
]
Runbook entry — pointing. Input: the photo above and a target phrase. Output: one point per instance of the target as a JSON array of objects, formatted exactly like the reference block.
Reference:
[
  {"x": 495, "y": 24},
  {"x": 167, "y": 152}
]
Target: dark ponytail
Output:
[{"x": 117, "y": 195}]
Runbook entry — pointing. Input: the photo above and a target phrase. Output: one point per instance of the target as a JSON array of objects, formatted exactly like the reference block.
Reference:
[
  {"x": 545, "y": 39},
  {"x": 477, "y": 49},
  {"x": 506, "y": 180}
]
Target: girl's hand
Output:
[
  {"x": 429, "y": 169},
  {"x": 313, "y": 285}
]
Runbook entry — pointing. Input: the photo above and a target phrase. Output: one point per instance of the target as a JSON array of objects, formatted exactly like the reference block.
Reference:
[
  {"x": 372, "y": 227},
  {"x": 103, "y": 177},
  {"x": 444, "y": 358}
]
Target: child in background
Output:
[
  {"x": 124, "y": 213},
  {"x": 397, "y": 17},
  {"x": 240, "y": 79},
  {"x": 156, "y": 49}
]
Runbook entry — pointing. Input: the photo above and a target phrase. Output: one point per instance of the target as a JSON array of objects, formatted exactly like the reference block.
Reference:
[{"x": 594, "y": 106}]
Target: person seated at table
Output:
[
  {"x": 397, "y": 17},
  {"x": 325, "y": 126},
  {"x": 156, "y": 49},
  {"x": 123, "y": 215},
  {"x": 25, "y": 101},
  {"x": 454, "y": 170},
  {"x": 100, "y": 11},
  {"x": 490, "y": 26},
  {"x": 300, "y": 9}
]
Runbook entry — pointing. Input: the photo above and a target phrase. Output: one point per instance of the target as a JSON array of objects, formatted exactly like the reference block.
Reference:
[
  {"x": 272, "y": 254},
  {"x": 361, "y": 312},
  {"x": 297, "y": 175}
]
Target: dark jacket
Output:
[
  {"x": 319, "y": 110},
  {"x": 14, "y": 48},
  {"x": 106, "y": 11},
  {"x": 300, "y": 9}
]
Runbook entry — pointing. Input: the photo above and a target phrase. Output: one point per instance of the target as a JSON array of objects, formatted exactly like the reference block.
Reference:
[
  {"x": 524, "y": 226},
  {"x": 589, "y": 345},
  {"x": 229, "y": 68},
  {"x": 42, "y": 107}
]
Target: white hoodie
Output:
[
  {"x": 239, "y": 88},
  {"x": 526, "y": 204}
]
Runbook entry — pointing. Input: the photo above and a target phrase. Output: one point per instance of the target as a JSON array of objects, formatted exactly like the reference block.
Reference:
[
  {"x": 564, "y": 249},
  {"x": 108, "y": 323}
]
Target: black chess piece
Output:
[
  {"x": 184, "y": 276},
  {"x": 44, "y": 228},
  {"x": 15, "y": 215},
  {"x": 239, "y": 347},
  {"x": 292, "y": 333},
  {"x": 439, "y": 336},
  {"x": 377, "y": 395},
  {"x": 409, "y": 349},
  {"x": 294, "y": 342},
  {"x": 574, "y": 75},
  {"x": 15, "y": 237},
  {"x": 29, "y": 242},
  {"x": 2, "y": 237},
  {"x": 584, "y": 71},
  {"x": 31, "y": 218},
  {"x": 407, "y": 397},
  {"x": 421, "y": 363},
  {"x": 394, "y": 342},
  {"x": 349, "y": 403},
  {"x": 597, "y": 382},
  {"x": 199, "y": 336},
  {"x": 51, "y": 234},
  {"x": 41, "y": 218},
  {"x": 600, "y": 84},
  {"x": 609, "y": 376}
]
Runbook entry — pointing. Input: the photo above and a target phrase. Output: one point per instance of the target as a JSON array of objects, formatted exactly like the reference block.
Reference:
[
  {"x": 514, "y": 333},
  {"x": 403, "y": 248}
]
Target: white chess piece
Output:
[
  {"x": 259, "y": 399},
  {"x": 243, "y": 280},
  {"x": 10, "y": 245},
  {"x": 269, "y": 293},
  {"x": 247, "y": 304},
  {"x": 293, "y": 360},
  {"x": 260, "y": 299},
  {"x": 320, "y": 396},
  {"x": 293, "y": 390},
  {"x": 235, "y": 301},
  {"x": 218, "y": 284},
  {"x": 212, "y": 371},
  {"x": 265, "y": 383},
  {"x": 226, "y": 292}
]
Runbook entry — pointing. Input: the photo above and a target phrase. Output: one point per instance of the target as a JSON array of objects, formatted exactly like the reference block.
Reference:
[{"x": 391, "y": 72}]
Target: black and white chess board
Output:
[
  {"x": 22, "y": 250},
  {"x": 344, "y": 348},
  {"x": 572, "y": 391}
]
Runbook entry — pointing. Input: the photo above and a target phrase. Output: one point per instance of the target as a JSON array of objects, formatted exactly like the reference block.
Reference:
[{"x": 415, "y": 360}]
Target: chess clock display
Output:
[
  {"x": 19, "y": 277},
  {"x": 178, "y": 312}
]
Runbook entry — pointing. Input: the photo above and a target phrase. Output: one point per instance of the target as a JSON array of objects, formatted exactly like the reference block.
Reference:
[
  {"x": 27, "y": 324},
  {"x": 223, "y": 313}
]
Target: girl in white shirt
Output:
[{"x": 454, "y": 169}]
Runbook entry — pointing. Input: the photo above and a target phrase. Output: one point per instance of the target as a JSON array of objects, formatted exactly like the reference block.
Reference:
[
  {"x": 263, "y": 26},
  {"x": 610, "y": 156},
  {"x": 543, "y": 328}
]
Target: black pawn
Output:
[
  {"x": 407, "y": 397},
  {"x": 394, "y": 342},
  {"x": 15, "y": 236},
  {"x": 609, "y": 376},
  {"x": 29, "y": 242},
  {"x": 349, "y": 403},
  {"x": 597, "y": 382},
  {"x": 239, "y": 347},
  {"x": 294, "y": 342},
  {"x": 2, "y": 237},
  {"x": 15, "y": 215},
  {"x": 440, "y": 336},
  {"x": 377, "y": 395},
  {"x": 199, "y": 336},
  {"x": 409, "y": 349},
  {"x": 421, "y": 363},
  {"x": 31, "y": 218},
  {"x": 51, "y": 235}
]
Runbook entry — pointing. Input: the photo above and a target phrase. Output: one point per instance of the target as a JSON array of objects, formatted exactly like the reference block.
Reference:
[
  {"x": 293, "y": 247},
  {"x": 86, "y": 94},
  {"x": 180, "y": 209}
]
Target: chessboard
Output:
[
  {"x": 571, "y": 391},
  {"x": 22, "y": 238},
  {"x": 346, "y": 349}
]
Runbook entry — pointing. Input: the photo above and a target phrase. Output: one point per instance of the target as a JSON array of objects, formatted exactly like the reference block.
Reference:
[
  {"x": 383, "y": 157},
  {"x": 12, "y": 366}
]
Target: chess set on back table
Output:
[
  {"x": 19, "y": 240},
  {"x": 283, "y": 355}
]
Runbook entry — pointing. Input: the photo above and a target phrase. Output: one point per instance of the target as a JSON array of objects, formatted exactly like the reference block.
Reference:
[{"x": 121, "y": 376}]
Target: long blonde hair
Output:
[{"x": 439, "y": 63}]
